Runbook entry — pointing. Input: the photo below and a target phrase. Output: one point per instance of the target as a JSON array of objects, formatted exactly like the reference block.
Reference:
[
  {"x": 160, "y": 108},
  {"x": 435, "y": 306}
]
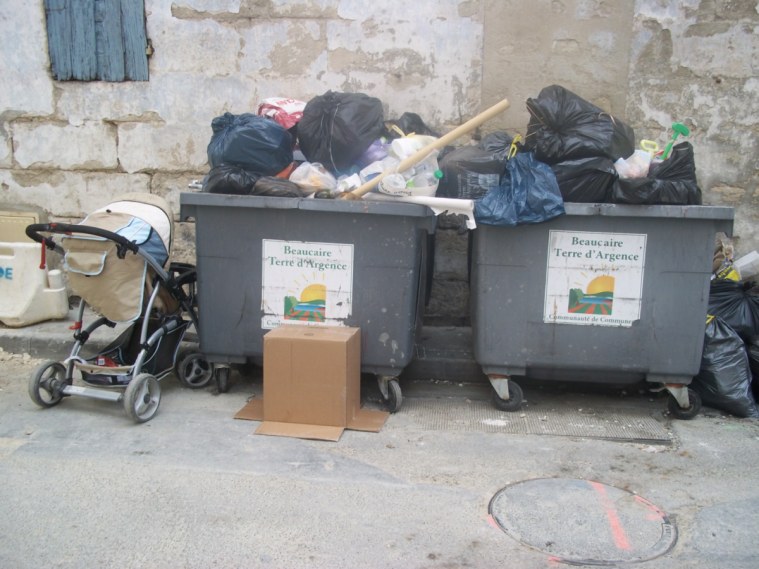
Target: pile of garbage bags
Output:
[
  {"x": 729, "y": 374},
  {"x": 573, "y": 151},
  {"x": 333, "y": 143}
]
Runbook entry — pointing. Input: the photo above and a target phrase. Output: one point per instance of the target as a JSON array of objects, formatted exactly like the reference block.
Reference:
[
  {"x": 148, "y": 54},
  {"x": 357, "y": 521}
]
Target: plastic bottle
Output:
[
  {"x": 425, "y": 181},
  {"x": 429, "y": 164},
  {"x": 376, "y": 168}
]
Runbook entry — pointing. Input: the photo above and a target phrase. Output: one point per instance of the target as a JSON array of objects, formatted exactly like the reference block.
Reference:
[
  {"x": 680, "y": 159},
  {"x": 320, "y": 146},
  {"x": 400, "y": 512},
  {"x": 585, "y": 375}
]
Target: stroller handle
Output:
[{"x": 34, "y": 231}]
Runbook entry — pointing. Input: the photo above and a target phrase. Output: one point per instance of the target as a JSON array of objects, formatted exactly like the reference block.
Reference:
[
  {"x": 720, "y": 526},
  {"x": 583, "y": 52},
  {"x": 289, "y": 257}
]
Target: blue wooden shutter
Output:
[{"x": 91, "y": 40}]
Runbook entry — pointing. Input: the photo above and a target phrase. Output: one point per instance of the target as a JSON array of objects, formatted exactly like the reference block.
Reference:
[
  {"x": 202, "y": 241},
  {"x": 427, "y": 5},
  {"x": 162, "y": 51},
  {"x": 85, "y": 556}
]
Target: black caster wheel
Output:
[
  {"x": 513, "y": 403},
  {"x": 688, "y": 413},
  {"x": 194, "y": 370},
  {"x": 222, "y": 379},
  {"x": 394, "y": 396}
]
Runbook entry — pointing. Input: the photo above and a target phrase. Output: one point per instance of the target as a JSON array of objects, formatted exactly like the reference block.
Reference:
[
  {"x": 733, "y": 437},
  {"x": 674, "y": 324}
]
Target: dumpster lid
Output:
[
  {"x": 669, "y": 211},
  {"x": 306, "y": 204}
]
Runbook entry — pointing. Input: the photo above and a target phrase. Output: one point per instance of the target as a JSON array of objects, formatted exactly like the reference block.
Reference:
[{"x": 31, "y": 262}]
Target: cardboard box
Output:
[{"x": 312, "y": 384}]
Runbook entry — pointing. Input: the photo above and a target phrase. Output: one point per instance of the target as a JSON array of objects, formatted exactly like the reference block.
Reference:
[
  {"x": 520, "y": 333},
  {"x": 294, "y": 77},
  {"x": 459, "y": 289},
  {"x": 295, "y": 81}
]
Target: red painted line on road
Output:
[
  {"x": 656, "y": 514},
  {"x": 492, "y": 522},
  {"x": 617, "y": 531}
]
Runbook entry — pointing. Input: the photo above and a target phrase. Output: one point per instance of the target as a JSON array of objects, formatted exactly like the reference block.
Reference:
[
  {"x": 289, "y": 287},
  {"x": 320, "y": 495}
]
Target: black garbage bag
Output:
[
  {"x": 277, "y": 187},
  {"x": 528, "y": 193},
  {"x": 752, "y": 348},
  {"x": 408, "y": 123},
  {"x": 337, "y": 128},
  {"x": 564, "y": 126},
  {"x": 469, "y": 172},
  {"x": 736, "y": 304},
  {"x": 229, "y": 179},
  {"x": 670, "y": 182},
  {"x": 586, "y": 180},
  {"x": 256, "y": 144},
  {"x": 724, "y": 381},
  {"x": 498, "y": 143}
]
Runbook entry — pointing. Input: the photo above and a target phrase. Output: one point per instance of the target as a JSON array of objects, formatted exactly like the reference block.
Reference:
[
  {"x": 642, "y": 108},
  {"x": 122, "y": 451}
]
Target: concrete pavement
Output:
[{"x": 83, "y": 486}]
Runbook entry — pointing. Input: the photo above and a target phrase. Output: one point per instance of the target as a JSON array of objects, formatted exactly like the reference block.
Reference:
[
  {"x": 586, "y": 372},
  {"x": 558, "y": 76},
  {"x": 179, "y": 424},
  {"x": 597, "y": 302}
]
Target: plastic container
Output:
[
  {"x": 376, "y": 168},
  {"x": 748, "y": 265},
  {"x": 405, "y": 146},
  {"x": 29, "y": 294},
  {"x": 606, "y": 293},
  {"x": 424, "y": 183},
  {"x": 394, "y": 185},
  {"x": 264, "y": 262}
]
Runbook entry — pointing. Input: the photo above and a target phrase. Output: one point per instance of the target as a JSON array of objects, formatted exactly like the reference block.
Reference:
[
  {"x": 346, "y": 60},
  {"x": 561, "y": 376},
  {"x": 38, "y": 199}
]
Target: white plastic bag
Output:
[
  {"x": 312, "y": 177},
  {"x": 636, "y": 166}
]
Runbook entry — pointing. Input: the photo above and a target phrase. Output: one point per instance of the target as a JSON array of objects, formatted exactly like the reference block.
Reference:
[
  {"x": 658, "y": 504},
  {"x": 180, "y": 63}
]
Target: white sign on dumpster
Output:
[
  {"x": 594, "y": 278},
  {"x": 306, "y": 283}
]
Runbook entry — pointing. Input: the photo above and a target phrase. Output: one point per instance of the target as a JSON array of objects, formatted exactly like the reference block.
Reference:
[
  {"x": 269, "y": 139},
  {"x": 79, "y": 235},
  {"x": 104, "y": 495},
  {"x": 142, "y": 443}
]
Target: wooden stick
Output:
[{"x": 421, "y": 154}]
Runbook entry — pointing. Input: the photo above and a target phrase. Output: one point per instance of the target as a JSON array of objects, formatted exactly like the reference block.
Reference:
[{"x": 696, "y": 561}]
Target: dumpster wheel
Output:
[
  {"x": 504, "y": 386},
  {"x": 685, "y": 413},
  {"x": 222, "y": 378},
  {"x": 391, "y": 392}
]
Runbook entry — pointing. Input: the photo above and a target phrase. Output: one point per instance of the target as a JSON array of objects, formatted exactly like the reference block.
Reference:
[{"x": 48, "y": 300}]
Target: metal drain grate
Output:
[{"x": 482, "y": 416}]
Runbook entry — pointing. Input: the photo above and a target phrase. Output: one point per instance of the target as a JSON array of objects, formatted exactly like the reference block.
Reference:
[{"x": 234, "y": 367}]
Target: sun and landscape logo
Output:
[
  {"x": 310, "y": 307},
  {"x": 598, "y": 298}
]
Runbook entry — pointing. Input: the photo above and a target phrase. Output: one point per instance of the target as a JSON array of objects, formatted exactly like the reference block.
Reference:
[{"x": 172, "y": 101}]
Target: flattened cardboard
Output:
[
  {"x": 312, "y": 385},
  {"x": 253, "y": 411},
  {"x": 300, "y": 431}
]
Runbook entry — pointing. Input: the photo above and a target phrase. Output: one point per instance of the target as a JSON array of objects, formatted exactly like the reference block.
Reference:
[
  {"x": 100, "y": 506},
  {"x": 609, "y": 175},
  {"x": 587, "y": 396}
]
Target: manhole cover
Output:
[{"x": 582, "y": 521}]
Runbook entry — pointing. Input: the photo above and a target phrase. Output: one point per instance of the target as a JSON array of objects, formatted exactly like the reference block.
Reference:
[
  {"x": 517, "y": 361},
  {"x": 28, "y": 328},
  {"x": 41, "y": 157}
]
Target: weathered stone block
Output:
[
  {"x": 448, "y": 304},
  {"x": 149, "y": 146},
  {"x": 184, "y": 243},
  {"x": 91, "y": 146},
  {"x": 27, "y": 89},
  {"x": 194, "y": 46},
  {"x": 170, "y": 186},
  {"x": 67, "y": 194},
  {"x": 6, "y": 153},
  {"x": 451, "y": 255}
]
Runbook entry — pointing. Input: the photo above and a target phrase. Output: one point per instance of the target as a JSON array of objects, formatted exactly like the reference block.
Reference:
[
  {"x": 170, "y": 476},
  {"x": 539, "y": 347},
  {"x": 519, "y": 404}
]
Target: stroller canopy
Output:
[
  {"x": 113, "y": 287},
  {"x": 151, "y": 225}
]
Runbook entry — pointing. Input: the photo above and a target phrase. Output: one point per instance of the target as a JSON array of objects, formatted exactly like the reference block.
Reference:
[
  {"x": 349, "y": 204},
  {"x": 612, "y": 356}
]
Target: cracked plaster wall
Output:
[{"x": 650, "y": 62}]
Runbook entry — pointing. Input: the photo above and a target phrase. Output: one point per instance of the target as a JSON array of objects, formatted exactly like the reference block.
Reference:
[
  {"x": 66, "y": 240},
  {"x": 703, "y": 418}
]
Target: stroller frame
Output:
[{"x": 139, "y": 391}]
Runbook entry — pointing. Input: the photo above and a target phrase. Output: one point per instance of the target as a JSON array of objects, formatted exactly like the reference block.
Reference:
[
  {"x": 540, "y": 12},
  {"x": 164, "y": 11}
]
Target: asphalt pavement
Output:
[{"x": 84, "y": 486}]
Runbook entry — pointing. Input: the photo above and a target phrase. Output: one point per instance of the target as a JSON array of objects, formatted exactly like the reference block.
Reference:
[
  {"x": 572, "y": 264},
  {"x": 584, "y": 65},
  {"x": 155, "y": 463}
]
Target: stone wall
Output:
[
  {"x": 70, "y": 147},
  {"x": 698, "y": 63}
]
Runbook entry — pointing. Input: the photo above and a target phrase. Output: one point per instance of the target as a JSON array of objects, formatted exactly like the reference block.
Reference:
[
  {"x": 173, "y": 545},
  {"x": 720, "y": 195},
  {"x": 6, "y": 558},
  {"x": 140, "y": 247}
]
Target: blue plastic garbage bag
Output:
[
  {"x": 528, "y": 193},
  {"x": 255, "y": 144}
]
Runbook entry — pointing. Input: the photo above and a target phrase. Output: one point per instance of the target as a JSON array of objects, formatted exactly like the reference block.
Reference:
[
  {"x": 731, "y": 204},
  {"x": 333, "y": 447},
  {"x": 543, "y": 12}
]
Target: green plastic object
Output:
[{"x": 678, "y": 128}]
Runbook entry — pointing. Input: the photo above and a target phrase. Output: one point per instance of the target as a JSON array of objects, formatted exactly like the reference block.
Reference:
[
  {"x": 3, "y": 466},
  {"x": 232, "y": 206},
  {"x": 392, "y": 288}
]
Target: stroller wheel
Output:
[
  {"x": 142, "y": 397},
  {"x": 46, "y": 384},
  {"x": 194, "y": 370}
]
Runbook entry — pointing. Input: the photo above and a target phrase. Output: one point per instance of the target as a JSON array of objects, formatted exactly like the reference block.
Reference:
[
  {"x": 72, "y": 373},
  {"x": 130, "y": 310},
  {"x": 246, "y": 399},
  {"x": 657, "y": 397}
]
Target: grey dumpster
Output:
[
  {"x": 266, "y": 261},
  {"x": 606, "y": 293}
]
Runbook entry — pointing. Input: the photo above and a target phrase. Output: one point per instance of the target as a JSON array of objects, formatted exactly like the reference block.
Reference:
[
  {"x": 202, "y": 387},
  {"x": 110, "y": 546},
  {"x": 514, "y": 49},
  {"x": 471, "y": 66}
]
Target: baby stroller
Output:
[{"x": 117, "y": 262}]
